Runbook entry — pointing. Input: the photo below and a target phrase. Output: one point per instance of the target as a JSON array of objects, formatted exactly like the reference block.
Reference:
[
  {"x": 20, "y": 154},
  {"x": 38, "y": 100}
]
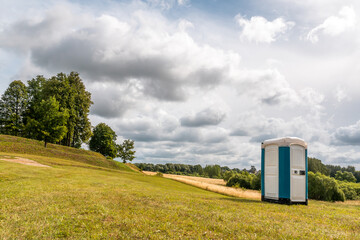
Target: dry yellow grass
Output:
[{"x": 214, "y": 185}]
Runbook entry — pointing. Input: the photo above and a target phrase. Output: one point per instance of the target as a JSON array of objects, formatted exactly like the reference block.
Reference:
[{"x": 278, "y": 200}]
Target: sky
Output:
[{"x": 201, "y": 82}]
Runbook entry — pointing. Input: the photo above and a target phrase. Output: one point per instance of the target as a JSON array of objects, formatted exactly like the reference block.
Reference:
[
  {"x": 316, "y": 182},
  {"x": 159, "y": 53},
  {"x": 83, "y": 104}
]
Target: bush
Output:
[
  {"x": 351, "y": 190},
  {"x": 159, "y": 174},
  {"x": 227, "y": 175},
  {"x": 324, "y": 188},
  {"x": 242, "y": 180},
  {"x": 256, "y": 181}
]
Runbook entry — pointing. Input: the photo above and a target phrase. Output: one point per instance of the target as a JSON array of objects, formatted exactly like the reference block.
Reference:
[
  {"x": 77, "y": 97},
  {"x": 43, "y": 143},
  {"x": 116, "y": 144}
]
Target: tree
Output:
[
  {"x": 125, "y": 150},
  {"x": 213, "y": 171},
  {"x": 70, "y": 91},
  {"x": 315, "y": 165},
  {"x": 13, "y": 105},
  {"x": 49, "y": 125},
  {"x": 103, "y": 141},
  {"x": 345, "y": 176}
]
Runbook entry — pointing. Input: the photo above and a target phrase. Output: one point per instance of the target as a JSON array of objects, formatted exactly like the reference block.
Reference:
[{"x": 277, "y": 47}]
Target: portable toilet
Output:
[{"x": 284, "y": 166}]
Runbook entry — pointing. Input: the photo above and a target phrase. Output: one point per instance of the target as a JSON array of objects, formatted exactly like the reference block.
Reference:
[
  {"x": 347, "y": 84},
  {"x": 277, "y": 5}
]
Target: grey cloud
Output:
[
  {"x": 111, "y": 50},
  {"x": 272, "y": 100},
  {"x": 163, "y": 154},
  {"x": 349, "y": 135},
  {"x": 239, "y": 132},
  {"x": 204, "y": 118}
]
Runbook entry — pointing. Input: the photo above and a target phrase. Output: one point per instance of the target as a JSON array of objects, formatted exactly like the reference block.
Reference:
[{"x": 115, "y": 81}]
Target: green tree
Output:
[
  {"x": 13, "y": 105},
  {"x": 345, "y": 176},
  {"x": 35, "y": 97},
  {"x": 125, "y": 151},
  {"x": 70, "y": 91},
  {"x": 49, "y": 125},
  {"x": 315, "y": 165},
  {"x": 103, "y": 141},
  {"x": 213, "y": 171}
]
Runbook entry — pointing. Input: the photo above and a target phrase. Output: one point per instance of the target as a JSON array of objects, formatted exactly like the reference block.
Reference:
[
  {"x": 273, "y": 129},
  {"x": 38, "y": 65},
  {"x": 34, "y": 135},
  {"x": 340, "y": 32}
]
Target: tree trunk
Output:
[{"x": 45, "y": 143}]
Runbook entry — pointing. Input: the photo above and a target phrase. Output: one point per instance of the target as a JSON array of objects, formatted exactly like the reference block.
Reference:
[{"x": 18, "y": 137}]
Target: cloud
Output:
[
  {"x": 258, "y": 127},
  {"x": 204, "y": 118},
  {"x": 266, "y": 86},
  {"x": 334, "y": 25},
  {"x": 341, "y": 95},
  {"x": 165, "y": 61},
  {"x": 258, "y": 29},
  {"x": 349, "y": 135},
  {"x": 167, "y": 4}
]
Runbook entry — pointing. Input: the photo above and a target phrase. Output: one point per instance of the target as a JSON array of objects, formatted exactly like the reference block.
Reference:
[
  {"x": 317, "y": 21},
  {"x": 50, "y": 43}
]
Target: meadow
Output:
[{"x": 78, "y": 200}]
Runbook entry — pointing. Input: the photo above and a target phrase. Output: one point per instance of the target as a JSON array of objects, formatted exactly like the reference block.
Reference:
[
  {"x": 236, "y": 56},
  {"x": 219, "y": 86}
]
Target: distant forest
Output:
[{"x": 217, "y": 171}]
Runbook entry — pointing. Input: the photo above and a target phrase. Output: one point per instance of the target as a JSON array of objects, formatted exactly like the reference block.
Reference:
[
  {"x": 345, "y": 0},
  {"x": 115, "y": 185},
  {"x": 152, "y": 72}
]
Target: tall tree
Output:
[
  {"x": 70, "y": 91},
  {"x": 125, "y": 150},
  {"x": 12, "y": 108},
  {"x": 50, "y": 124},
  {"x": 315, "y": 165},
  {"x": 103, "y": 140},
  {"x": 35, "y": 96}
]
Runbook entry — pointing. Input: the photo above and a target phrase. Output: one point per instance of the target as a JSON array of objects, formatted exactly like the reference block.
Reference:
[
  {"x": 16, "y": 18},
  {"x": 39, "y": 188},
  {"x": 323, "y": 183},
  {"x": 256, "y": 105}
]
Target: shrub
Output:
[
  {"x": 324, "y": 188},
  {"x": 227, "y": 175},
  {"x": 256, "y": 181},
  {"x": 242, "y": 180},
  {"x": 351, "y": 190}
]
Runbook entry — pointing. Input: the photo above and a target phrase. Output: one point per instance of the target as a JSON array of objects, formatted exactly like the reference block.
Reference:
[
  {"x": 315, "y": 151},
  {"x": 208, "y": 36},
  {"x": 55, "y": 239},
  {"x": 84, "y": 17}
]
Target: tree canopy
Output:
[
  {"x": 103, "y": 140},
  {"x": 49, "y": 125},
  {"x": 13, "y": 105},
  {"x": 125, "y": 150}
]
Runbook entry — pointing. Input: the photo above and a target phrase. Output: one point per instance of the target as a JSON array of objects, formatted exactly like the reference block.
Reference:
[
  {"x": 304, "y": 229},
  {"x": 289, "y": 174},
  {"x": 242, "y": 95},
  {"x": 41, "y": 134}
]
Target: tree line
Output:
[
  {"x": 326, "y": 182},
  {"x": 211, "y": 171},
  {"x": 335, "y": 171},
  {"x": 56, "y": 110}
]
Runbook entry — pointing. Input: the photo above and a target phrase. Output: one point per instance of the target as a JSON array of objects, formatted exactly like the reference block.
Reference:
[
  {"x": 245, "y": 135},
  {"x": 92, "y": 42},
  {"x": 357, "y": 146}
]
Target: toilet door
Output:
[
  {"x": 298, "y": 174},
  {"x": 272, "y": 172}
]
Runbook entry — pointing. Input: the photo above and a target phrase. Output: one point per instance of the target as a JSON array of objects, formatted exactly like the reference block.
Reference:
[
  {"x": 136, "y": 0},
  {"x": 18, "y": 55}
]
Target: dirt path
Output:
[
  {"x": 214, "y": 185},
  {"x": 24, "y": 161}
]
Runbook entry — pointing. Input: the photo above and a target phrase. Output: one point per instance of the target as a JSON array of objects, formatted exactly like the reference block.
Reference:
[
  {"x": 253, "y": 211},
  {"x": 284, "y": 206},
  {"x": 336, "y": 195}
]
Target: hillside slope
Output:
[
  {"x": 24, "y": 147},
  {"x": 75, "y": 200}
]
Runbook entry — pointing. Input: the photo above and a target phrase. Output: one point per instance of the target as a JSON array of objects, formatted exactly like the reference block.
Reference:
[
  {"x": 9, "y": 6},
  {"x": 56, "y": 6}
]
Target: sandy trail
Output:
[
  {"x": 24, "y": 161},
  {"x": 214, "y": 185}
]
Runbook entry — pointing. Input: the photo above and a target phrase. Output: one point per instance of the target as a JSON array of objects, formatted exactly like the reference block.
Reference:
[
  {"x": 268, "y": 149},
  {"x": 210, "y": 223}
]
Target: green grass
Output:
[
  {"x": 75, "y": 200},
  {"x": 18, "y": 145}
]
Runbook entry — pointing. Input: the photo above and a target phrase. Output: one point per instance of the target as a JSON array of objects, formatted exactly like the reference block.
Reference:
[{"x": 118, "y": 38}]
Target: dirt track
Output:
[{"x": 24, "y": 161}]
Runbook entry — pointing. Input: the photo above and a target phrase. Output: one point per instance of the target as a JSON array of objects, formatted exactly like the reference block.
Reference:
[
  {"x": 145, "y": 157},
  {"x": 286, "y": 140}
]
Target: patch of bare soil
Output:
[
  {"x": 24, "y": 161},
  {"x": 214, "y": 185}
]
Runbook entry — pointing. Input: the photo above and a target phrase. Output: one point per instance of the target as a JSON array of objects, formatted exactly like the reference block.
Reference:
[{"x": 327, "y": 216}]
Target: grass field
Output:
[
  {"x": 214, "y": 185},
  {"x": 76, "y": 200}
]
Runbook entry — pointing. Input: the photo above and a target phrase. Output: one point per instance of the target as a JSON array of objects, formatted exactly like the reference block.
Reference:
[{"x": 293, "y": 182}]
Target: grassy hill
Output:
[
  {"x": 76, "y": 200},
  {"x": 24, "y": 146}
]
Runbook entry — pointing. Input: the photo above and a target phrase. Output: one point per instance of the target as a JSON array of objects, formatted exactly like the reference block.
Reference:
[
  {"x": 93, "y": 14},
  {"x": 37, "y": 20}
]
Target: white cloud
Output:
[
  {"x": 334, "y": 25},
  {"x": 349, "y": 135},
  {"x": 258, "y": 29},
  {"x": 341, "y": 95}
]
